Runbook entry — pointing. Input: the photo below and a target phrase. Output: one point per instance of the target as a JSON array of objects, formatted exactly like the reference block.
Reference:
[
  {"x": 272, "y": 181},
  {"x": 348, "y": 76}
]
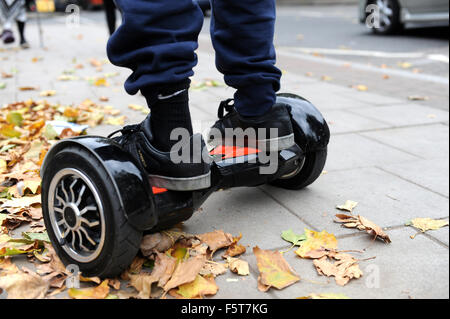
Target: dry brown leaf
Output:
[
  {"x": 238, "y": 266},
  {"x": 213, "y": 269},
  {"x": 235, "y": 249},
  {"x": 185, "y": 272},
  {"x": 364, "y": 224},
  {"x": 216, "y": 240},
  {"x": 343, "y": 269},
  {"x": 348, "y": 206},
  {"x": 23, "y": 285}
]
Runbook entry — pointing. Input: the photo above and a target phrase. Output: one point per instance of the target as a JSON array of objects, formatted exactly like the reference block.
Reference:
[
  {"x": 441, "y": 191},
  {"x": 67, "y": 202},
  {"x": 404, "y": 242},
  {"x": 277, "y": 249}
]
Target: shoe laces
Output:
[
  {"x": 226, "y": 106},
  {"x": 127, "y": 130}
]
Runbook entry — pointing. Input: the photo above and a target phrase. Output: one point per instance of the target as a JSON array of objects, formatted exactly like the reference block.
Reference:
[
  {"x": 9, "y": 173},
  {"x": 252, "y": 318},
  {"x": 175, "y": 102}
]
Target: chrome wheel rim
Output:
[
  {"x": 295, "y": 172},
  {"x": 386, "y": 14},
  {"x": 76, "y": 215}
]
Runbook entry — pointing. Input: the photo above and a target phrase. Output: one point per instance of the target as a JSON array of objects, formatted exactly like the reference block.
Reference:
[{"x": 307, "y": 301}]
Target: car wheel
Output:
[{"x": 389, "y": 11}]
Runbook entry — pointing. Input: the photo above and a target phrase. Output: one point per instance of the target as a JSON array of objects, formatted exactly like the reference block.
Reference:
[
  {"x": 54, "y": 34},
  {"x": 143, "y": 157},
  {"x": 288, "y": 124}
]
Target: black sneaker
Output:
[
  {"x": 193, "y": 173},
  {"x": 277, "y": 118}
]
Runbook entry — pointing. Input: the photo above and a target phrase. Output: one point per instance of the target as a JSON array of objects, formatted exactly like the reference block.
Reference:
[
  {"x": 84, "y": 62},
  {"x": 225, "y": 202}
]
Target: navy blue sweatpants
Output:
[{"x": 157, "y": 40}]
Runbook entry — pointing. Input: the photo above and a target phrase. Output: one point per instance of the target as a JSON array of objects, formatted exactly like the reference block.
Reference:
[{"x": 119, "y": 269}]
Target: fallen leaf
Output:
[
  {"x": 325, "y": 296},
  {"x": 349, "y": 206},
  {"x": 293, "y": 238},
  {"x": 315, "y": 240},
  {"x": 274, "y": 270},
  {"x": 185, "y": 272},
  {"x": 99, "y": 292},
  {"x": 48, "y": 93},
  {"x": 425, "y": 224},
  {"x": 213, "y": 269},
  {"x": 238, "y": 266},
  {"x": 363, "y": 223},
  {"x": 216, "y": 240},
  {"x": 199, "y": 288},
  {"x": 24, "y": 286},
  {"x": 344, "y": 269}
]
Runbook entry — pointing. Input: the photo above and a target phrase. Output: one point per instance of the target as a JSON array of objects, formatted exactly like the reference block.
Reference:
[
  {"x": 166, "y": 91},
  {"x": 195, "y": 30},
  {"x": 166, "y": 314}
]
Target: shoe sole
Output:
[
  {"x": 182, "y": 184},
  {"x": 270, "y": 145}
]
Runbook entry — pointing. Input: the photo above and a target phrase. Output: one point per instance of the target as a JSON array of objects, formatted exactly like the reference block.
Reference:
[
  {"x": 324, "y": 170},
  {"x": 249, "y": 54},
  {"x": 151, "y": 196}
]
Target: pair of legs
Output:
[
  {"x": 157, "y": 41},
  {"x": 11, "y": 11}
]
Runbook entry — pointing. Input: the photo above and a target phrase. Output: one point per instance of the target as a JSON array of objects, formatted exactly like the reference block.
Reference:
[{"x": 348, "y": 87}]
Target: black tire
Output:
[
  {"x": 310, "y": 172},
  {"x": 122, "y": 241},
  {"x": 395, "y": 24}
]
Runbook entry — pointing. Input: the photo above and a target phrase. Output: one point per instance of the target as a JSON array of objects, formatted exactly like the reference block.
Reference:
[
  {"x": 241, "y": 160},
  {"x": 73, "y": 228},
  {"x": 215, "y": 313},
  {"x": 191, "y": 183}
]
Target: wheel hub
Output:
[{"x": 72, "y": 216}]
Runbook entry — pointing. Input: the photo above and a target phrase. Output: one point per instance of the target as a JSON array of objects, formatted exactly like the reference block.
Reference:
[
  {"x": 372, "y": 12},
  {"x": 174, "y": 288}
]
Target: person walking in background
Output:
[
  {"x": 11, "y": 10},
  {"x": 110, "y": 10}
]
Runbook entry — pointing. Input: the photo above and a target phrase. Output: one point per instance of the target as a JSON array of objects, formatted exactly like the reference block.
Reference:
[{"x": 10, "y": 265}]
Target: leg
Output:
[
  {"x": 242, "y": 32},
  {"x": 157, "y": 40},
  {"x": 110, "y": 10},
  {"x": 21, "y": 21}
]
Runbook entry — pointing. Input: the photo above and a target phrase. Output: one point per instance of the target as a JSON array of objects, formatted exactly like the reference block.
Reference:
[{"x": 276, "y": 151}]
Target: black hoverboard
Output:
[{"x": 97, "y": 203}]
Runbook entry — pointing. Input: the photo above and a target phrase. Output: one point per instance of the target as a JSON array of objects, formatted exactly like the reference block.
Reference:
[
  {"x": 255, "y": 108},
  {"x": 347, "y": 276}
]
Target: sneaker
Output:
[
  {"x": 7, "y": 37},
  {"x": 24, "y": 45},
  {"x": 277, "y": 118},
  {"x": 189, "y": 175}
]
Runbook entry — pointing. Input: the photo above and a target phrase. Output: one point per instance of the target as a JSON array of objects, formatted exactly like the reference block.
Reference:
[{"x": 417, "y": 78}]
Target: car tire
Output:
[{"x": 389, "y": 17}]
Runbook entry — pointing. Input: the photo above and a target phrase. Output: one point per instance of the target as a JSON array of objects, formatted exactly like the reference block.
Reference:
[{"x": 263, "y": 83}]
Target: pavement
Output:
[{"x": 388, "y": 153}]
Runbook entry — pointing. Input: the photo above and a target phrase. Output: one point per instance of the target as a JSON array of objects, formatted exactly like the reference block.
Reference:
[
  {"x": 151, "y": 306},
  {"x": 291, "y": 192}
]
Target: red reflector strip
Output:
[
  {"x": 157, "y": 190},
  {"x": 233, "y": 151}
]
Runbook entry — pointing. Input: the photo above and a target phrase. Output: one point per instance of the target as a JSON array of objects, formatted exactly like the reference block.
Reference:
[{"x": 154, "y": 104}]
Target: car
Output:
[{"x": 396, "y": 14}]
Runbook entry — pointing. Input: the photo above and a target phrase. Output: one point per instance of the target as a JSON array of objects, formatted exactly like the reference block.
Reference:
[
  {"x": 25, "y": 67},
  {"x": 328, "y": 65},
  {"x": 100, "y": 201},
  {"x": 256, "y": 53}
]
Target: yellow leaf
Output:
[
  {"x": 348, "y": 206},
  {"x": 71, "y": 112},
  {"x": 199, "y": 288},
  {"x": 3, "y": 166},
  {"x": 8, "y": 130},
  {"x": 362, "y": 88},
  {"x": 99, "y": 292},
  {"x": 315, "y": 241},
  {"x": 101, "y": 82},
  {"x": 425, "y": 224},
  {"x": 274, "y": 270},
  {"x": 119, "y": 121},
  {"x": 48, "y": 93},
  {"x": 325, "y": 296}
]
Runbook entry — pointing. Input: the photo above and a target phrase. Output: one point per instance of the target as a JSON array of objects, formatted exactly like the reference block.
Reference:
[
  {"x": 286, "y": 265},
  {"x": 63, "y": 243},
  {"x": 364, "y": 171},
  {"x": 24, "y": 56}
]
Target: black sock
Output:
[
  {"x": 21, "y": 27},
  {"x": 169, "y": 111}
]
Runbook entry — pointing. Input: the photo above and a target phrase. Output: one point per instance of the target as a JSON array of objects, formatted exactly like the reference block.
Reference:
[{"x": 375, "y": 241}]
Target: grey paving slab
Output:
[
  {"x": 398, "y": 272},
  {"x": 352, "y": 151},
  {"x": 383, "y": 198},
  {"x": 248, "y": 211},
  {"x": 341, "y": 121},
  {"x": 431, "y": 174},
  {"x": 403, "y": 115},
  {"x": 427, "y": 142},
  {"x": 371, "y": 98}
]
